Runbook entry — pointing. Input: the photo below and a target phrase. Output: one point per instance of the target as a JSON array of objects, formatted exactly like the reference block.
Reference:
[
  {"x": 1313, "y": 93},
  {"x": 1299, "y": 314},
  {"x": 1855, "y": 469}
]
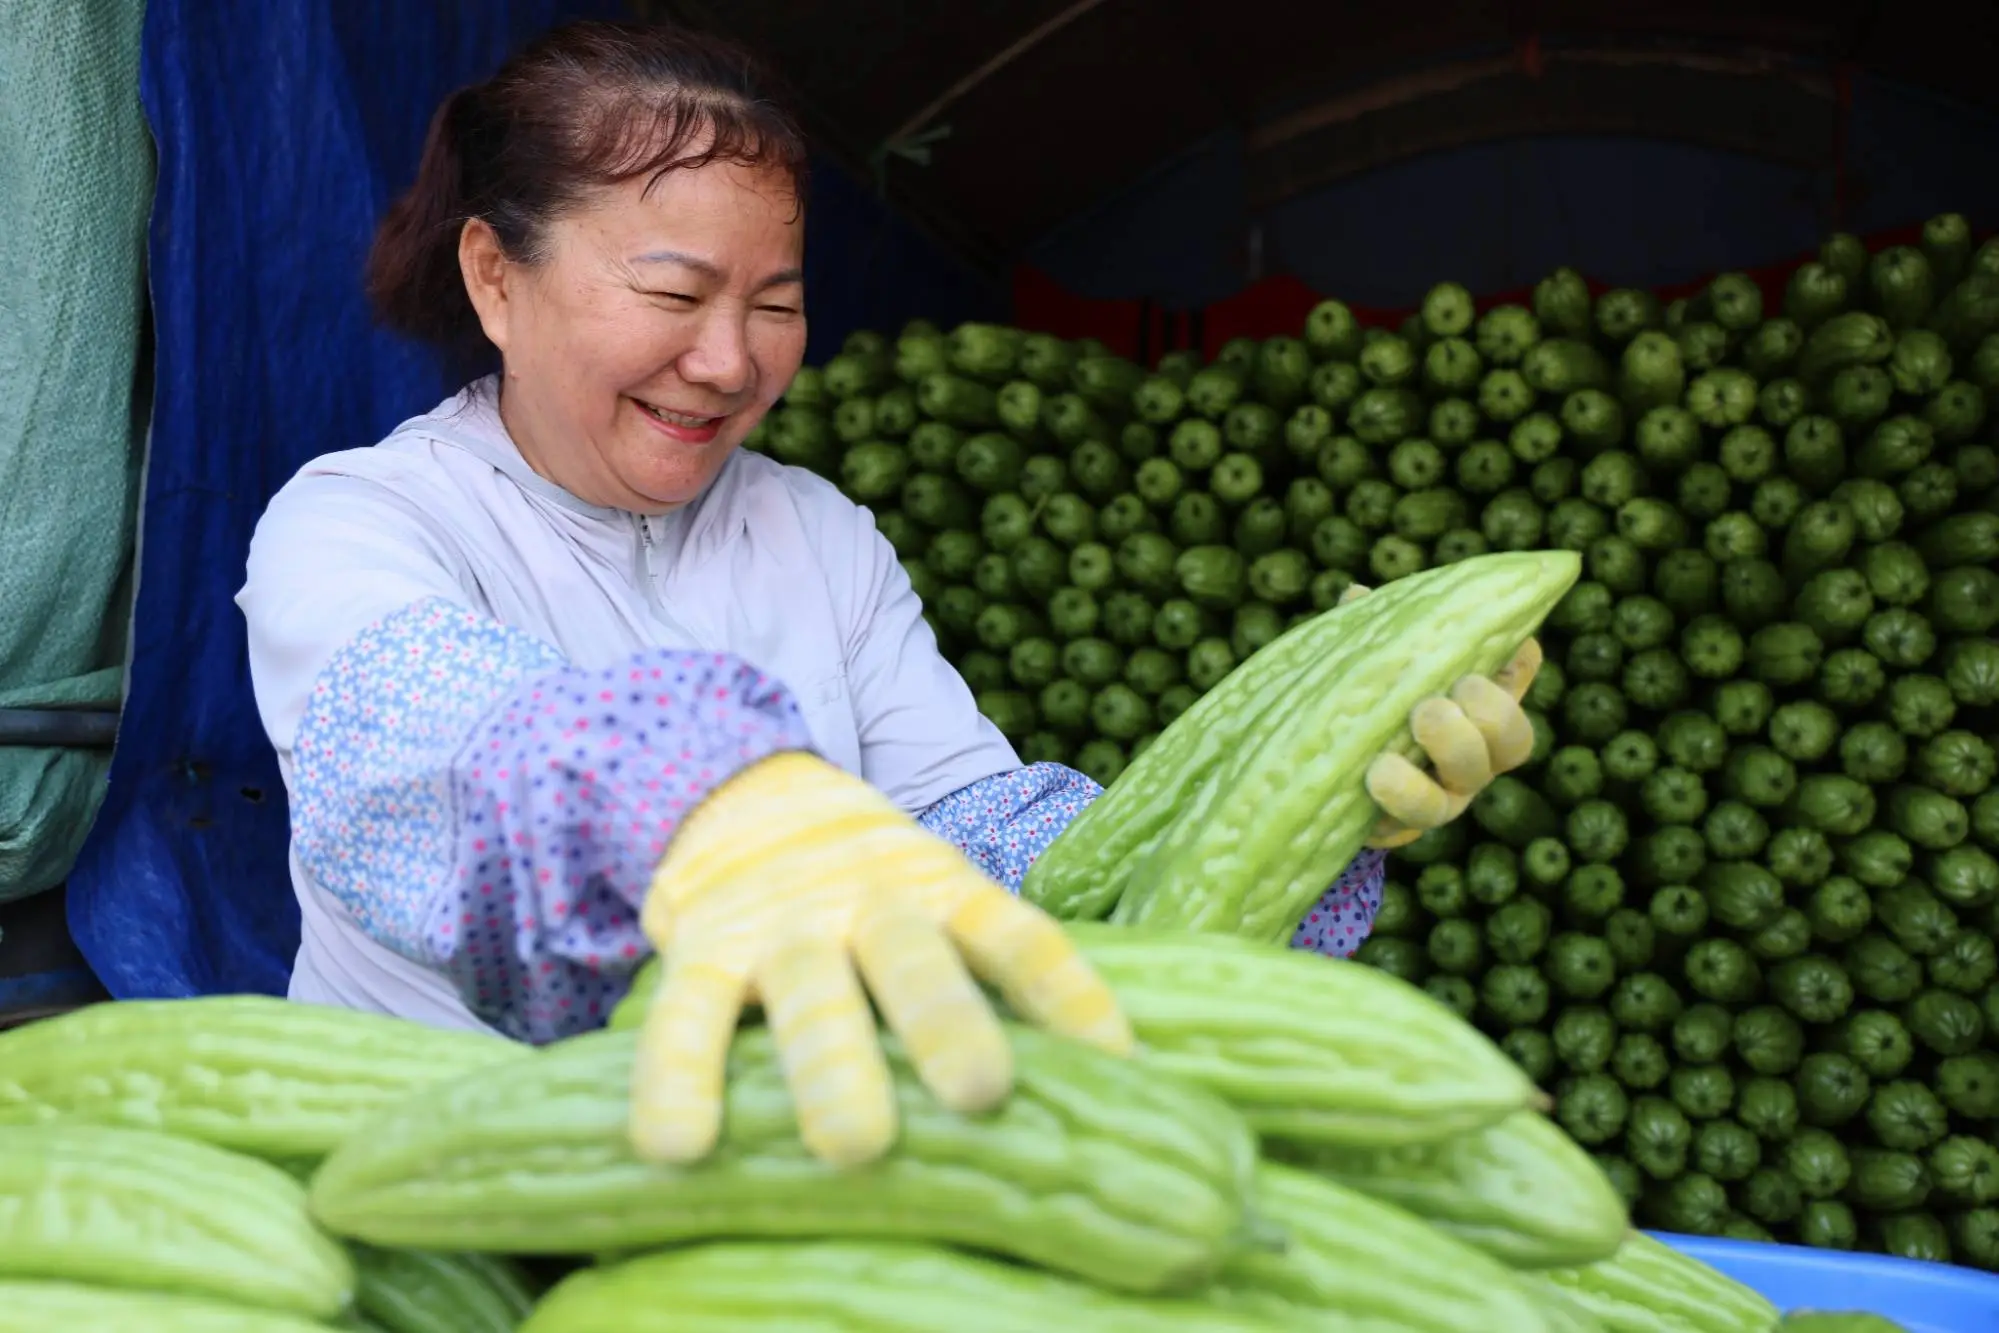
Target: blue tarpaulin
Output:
[{"x": 284, "y": 127}]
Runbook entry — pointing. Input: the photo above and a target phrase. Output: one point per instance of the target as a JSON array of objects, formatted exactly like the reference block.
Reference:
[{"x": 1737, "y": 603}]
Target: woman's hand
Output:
[
  {"x": 1474, "y": 735},
  {"x": 791, "y": 884}
]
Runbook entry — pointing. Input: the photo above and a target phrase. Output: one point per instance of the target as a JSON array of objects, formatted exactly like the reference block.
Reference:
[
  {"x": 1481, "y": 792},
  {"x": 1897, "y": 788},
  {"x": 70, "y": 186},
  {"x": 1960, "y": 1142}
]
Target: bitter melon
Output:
[
  {"x": 69, "y": 1307},
  {"x": 847, "y": 1287},
  {"x": 248, "y": 1072},
  {"x": 1095, "y": 1166},
  {"x": 134, "y": 1208},
  {"x": 1650, "y": 1287},
  {"x": 1307, "y": 1048},
  {"x": 1082, "y": 881},
  {"x": 423, "y": 1291},
  {"x": 1521, "y": 1190},
  {"x": 1562, "y": 1313},
  {"x": 1251, "y": 837},
  {"x": 1838, "y": 1321},
  {"x": 1351, "y": 1261}
]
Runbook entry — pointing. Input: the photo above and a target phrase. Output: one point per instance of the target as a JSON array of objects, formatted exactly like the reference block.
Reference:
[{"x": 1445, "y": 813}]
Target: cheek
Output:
[
  {"x": 778, "y": 350},
  {"x": 631, "y": 348}
]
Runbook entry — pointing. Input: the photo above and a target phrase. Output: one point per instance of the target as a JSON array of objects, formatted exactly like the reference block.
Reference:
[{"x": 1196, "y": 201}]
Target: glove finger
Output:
[
  {"x": 1501, "y": 722},
  {"x": 1354, "y": 592},
  {"x": 1037, "y": 967},
  {"x": 1388, "y": 834},
  {"x": 930, "y": 1001},
  {"x": 1406, "y": 793},
  {"x": 1415, "y": 799},
  {"x": 656, "y": 913},
  {"x": 682, "y": 1062},
  {"x": 1517, "y": 676},
  {"x": 1458, "y": 750},
  {"x": 832, "y": 1058}
]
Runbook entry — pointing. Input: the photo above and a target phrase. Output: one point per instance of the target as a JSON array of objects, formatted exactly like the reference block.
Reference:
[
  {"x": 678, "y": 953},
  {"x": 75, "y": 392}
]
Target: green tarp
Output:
[{"x": 76, "y": 164}]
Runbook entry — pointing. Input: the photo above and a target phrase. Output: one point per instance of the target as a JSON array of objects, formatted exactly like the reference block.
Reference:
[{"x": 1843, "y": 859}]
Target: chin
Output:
[{"x": 681, "y": 487}]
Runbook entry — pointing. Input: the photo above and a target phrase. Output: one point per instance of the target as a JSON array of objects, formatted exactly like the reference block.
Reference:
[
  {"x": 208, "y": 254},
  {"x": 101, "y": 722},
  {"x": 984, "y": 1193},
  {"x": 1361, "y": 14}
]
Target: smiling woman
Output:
[
  {"x": 620, "y": 212},
  {"x": 515, "y": 658}
]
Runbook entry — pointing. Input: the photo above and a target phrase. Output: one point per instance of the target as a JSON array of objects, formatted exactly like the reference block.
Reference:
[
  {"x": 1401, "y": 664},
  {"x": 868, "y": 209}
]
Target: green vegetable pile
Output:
[{"x": 1738, "y": 914}]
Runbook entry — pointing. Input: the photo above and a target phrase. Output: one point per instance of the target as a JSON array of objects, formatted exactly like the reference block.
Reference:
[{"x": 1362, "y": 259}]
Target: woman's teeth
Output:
[{"x": 678, "y": 418}]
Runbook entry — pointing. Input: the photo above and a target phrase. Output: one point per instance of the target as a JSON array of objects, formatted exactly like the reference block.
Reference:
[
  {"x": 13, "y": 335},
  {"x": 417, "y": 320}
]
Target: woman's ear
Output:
[{"x": 482, "y": 261}]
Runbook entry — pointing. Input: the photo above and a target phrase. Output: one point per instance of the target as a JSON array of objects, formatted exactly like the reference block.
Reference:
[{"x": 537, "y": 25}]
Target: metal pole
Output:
[{"x": 70, "y": 729}]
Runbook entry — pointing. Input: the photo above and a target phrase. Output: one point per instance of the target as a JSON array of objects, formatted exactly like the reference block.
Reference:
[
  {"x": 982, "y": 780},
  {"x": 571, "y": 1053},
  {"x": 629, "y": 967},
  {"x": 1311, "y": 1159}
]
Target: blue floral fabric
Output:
[{"x": 483, "y": 809}]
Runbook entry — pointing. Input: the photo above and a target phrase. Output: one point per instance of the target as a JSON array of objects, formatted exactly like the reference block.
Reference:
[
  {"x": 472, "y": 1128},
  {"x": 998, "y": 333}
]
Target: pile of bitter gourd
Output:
[{"x": 1305, "y": 1143}]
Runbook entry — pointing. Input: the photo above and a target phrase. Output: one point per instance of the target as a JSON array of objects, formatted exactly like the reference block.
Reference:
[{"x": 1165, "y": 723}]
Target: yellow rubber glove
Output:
[
  {"x": 1471, "y": 737},
  {"x": 788, "y": 886}
]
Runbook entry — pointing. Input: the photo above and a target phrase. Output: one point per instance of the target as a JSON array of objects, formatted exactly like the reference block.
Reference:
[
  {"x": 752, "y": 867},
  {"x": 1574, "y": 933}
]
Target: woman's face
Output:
[{"x": 656, "y": 329}]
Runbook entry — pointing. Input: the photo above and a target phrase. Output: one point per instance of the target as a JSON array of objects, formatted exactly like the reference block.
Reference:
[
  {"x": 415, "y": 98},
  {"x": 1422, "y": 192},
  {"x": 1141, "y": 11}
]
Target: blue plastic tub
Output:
[{"x": 1924, "y": 1298}]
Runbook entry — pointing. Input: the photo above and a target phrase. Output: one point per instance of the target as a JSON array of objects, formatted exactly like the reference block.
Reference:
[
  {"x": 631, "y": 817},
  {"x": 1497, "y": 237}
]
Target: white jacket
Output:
[{"x": 772, "y": 563}]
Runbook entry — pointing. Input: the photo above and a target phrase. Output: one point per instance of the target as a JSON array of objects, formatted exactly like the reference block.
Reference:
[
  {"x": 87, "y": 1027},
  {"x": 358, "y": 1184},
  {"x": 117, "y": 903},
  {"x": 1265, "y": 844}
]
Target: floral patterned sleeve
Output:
[
  {"x": 1339, "y": 922},
  {"x": 1006, "y": 821},
  {"x": 484, "y": 808}
]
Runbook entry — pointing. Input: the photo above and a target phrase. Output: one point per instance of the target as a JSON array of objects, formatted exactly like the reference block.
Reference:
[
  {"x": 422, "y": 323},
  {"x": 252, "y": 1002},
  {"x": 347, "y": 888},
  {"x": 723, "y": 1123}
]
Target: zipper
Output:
[
  {"x": 646, "y": 562},
  {"x": 655, "y": 590}
]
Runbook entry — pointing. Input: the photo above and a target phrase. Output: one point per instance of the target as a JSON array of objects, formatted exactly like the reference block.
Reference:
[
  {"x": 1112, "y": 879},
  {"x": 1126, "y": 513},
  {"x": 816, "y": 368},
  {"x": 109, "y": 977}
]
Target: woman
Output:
[{"x": 505, "y": 652}]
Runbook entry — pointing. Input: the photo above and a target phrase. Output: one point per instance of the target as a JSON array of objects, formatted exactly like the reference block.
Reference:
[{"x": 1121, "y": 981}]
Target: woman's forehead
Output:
[
  {"x": 709, "y": 219},
  {"x": 726, "y": 194}
]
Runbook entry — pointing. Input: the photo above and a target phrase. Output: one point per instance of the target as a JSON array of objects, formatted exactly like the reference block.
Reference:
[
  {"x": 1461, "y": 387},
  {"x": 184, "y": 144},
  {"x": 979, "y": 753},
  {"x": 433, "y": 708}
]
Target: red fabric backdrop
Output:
[{"x": 1278, "y": 305}]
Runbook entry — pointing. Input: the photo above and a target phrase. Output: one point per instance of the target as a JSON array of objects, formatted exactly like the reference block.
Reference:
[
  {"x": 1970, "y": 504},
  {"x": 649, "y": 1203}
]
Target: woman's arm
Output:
[
  {"x": 476, "y": 803},
  {"x": 1005, "y": 822},
  {"x": 487, "y": 811}
]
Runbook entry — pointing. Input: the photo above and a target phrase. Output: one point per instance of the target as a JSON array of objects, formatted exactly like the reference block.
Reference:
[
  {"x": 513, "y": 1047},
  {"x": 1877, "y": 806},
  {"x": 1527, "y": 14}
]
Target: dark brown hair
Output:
[{"x": 584, "y": 106}]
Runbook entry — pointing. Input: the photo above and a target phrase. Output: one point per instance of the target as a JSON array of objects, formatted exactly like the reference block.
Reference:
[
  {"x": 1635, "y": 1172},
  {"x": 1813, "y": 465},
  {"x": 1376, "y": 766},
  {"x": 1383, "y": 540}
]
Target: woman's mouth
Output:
[{"x": 686, "y": 427}]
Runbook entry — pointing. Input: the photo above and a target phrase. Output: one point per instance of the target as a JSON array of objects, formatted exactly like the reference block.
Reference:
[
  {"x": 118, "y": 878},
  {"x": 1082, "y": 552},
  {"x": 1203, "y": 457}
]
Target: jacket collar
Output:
[{"x": 470, "y": 420}]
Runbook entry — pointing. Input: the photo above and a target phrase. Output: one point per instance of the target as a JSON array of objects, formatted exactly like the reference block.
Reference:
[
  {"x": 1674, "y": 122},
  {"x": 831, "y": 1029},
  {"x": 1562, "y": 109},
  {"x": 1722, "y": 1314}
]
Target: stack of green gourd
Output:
[{"x": 1738, "y": 915}]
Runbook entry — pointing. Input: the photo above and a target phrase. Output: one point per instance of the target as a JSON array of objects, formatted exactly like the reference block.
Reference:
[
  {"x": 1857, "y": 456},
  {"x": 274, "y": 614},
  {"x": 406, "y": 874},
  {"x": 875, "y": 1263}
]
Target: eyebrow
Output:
[{"x": 709, "y": 270}]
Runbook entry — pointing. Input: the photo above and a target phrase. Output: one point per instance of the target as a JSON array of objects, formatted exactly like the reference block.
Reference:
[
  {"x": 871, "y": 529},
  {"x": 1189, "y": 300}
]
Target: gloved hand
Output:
[
  {"x": 780, "y": 885},
  {"x": 1477, "y": 733}
]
